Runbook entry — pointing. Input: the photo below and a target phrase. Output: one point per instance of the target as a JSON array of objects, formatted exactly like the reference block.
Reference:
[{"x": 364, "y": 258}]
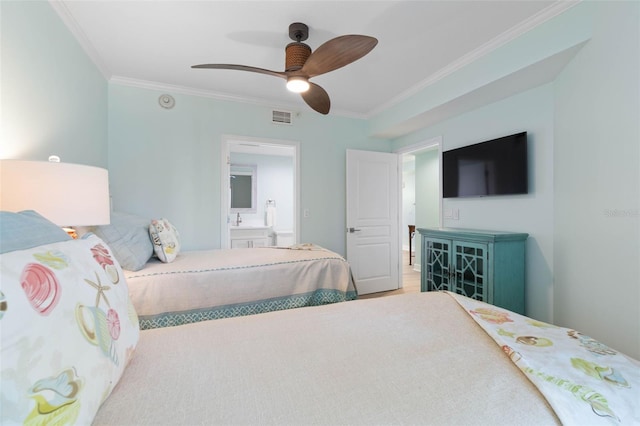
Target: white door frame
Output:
[
  {"x": 409, "y": 149},
  {"x": 227, "y": 142}
]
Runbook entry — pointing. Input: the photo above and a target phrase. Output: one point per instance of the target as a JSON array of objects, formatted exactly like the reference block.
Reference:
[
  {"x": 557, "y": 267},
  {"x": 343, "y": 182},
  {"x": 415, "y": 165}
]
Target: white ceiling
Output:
[{"x": 154, "y": 43}]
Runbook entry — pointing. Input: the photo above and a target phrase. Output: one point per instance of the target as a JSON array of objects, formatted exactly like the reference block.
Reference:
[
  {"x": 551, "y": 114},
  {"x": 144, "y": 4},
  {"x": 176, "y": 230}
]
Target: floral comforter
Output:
[{"x": 584, "y": 381}]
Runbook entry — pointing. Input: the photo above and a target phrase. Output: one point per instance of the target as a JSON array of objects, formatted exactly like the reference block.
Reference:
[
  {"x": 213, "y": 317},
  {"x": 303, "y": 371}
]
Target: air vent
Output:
[{"x": 281, "y": 117}]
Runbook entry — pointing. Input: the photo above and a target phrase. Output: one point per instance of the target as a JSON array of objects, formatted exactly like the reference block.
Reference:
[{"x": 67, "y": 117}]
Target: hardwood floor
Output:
[{"x": 410, "y": 281}]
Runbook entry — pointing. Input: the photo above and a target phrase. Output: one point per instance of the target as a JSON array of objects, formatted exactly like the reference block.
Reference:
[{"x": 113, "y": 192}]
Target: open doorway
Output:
[
  {"x": 267, "y": 215},
  {"x": 421, "y": 203},
  {"x": 410, "y": 275}
]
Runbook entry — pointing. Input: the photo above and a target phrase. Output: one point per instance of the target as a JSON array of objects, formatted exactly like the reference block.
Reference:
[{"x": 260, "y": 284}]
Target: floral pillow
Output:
[
  {"x": 128, "y": 237},
  {"x": 69, "y": 330},
  {"x": 165, "y": 238}
]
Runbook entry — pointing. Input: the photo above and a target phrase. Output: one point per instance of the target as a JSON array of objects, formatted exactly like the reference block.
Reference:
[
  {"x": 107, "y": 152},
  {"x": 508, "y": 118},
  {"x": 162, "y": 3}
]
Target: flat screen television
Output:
[{"x": 495, "y": 167}]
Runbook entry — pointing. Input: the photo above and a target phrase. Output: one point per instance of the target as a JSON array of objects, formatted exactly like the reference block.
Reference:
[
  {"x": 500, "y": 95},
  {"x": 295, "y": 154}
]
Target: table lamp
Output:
[{"x": 66, "y": 194}]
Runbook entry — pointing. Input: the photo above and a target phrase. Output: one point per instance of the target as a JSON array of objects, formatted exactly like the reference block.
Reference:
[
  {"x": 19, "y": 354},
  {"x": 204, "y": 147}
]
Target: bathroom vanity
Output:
[{"x": 250, "y": 236}]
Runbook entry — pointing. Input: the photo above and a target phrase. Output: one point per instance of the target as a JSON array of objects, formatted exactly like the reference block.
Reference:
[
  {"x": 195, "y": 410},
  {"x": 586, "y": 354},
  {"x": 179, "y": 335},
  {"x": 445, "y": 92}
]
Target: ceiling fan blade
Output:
[
  {"x": 241, "y": 68},
  {"x": 338, "y": 52},
  {"x": 317, "y": 98}
]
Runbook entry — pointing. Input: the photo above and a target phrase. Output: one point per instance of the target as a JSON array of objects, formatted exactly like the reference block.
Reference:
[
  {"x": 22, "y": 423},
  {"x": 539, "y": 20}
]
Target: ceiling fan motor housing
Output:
[{"x": 296, "y": 55}]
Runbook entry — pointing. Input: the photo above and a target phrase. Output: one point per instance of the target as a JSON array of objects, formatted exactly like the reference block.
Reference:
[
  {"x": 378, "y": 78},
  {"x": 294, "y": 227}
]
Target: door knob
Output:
[{"x": 352, "y": 230}]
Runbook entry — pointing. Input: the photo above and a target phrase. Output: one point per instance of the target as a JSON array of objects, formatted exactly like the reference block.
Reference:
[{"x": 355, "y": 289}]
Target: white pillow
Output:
[
  {"x": 69, "y": 330},
  {"x": 165, "y": 238}
]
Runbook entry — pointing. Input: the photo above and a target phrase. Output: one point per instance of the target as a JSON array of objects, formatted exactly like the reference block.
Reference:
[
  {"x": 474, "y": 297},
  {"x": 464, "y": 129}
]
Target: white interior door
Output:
[{"x": 372, "y": 220}]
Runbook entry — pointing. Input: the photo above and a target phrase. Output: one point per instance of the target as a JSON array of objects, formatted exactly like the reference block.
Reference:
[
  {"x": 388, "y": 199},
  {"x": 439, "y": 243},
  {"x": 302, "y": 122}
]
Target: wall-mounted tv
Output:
[{"x": 495, "y": 167}]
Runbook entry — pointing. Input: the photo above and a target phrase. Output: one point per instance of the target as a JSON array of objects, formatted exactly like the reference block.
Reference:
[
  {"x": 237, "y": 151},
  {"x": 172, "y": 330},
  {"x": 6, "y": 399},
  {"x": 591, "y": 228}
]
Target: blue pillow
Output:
[
  {"x": 128, "y": 238},
  {"x": 27, "y": 229}
]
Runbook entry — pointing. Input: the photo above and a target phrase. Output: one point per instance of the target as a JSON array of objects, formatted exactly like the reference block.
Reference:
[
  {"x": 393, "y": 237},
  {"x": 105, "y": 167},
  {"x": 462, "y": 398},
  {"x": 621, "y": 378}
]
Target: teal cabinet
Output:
[{"x": 482, "y": 265}]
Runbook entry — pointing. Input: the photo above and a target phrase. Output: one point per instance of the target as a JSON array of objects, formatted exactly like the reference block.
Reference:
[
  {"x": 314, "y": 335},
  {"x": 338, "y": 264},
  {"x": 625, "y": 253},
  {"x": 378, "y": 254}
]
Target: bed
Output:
[
  {"x": 172, "y": 287},
  {"x": 73, "y": 353},
  {"x": 407, "y": 359},
  {"x": 214, "y": 284}
]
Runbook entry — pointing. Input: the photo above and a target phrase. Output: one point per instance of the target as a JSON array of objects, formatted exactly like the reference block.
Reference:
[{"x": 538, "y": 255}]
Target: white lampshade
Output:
[{"x": 66, "y": 194}]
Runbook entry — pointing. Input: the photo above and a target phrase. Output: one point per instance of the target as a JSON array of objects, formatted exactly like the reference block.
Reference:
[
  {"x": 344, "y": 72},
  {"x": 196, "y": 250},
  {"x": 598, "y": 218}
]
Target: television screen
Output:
[{"x": 495, "y": 167}]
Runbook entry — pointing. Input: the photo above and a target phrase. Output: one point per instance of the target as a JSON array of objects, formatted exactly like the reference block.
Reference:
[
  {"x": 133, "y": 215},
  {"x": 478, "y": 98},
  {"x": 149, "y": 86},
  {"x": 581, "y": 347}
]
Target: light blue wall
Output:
[
  {"x": 583, "y": 255},
  {"x": 54, "y": 99},
  {"x": 531, "y": 111},
  {"x": 427, "y": 188},
  {"x": 167, "y": 162},
  {"x": 597, "y": 181},
  {"x": 427, "y": 194}
]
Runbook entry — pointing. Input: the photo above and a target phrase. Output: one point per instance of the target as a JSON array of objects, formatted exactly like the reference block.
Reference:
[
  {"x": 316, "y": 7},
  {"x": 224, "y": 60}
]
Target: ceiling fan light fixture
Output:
[
  {"x": 301, "y": 63},
  {"x": 297, "y": 84}
]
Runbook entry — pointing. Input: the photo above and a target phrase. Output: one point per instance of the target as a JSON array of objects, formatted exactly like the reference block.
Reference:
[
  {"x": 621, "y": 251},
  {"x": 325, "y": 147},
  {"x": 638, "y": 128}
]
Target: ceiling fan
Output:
[{"x": 301, "y": 64}]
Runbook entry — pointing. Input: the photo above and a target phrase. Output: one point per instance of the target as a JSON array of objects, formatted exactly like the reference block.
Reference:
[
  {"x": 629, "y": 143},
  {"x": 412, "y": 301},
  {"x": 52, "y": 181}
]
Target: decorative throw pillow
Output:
[
  {"x": 27, "y": 229},
  {"x": 128, "y": 236},
  {"x": 165, "y": 238},
  {"x": 68, "y": 331}
]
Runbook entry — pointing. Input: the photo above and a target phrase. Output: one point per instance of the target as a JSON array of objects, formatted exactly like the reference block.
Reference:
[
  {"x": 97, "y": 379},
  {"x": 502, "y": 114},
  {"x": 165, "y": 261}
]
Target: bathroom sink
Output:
[{"x": 249, "y": 227}]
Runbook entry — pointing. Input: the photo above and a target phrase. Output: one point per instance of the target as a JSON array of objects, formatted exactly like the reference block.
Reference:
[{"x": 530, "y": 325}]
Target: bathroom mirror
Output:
[{"x": 243, "y": 186}]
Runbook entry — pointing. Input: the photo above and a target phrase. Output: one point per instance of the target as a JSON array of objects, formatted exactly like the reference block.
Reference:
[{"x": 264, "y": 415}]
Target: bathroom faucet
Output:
[{"x": 238, "y": 220}]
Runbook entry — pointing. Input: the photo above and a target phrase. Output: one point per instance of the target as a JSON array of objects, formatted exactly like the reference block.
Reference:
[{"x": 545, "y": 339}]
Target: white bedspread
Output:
[
  {"x": 408, "y": 359},
  {"x": 212, "y": 284}
]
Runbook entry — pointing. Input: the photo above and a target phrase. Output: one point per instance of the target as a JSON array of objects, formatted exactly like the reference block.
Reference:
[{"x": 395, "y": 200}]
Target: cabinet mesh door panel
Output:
[
  {"x": 438, "y": 277},
  {"x": 470, "y": 270}
]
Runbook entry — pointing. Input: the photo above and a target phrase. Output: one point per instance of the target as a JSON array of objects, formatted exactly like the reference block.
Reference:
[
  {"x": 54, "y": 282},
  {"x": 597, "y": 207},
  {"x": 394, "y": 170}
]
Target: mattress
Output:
[
  {"x": 406, "y": 359},
  {"x": 214, "y": 284}
]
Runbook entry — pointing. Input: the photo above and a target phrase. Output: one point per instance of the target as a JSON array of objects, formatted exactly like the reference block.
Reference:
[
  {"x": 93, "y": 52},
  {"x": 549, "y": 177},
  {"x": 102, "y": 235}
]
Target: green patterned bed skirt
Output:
[{"x": 315, "y": 298}]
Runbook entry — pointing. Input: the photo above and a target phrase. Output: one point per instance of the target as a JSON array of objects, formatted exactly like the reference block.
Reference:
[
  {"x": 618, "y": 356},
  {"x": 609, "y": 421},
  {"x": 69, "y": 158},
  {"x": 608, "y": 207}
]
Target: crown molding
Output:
[
  {"x": 184, "y": 90},
  {"x": 511, "y": 34},
  {"x": 63, "y": 12}
]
